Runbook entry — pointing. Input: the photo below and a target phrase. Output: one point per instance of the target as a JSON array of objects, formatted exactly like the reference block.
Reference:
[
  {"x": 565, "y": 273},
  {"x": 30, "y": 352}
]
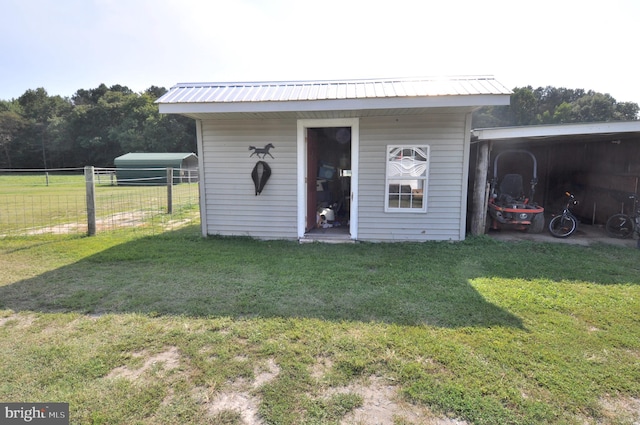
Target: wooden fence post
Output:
[
  {"x": 91, "y": 200},
  {"x": 169, "y": 190}
]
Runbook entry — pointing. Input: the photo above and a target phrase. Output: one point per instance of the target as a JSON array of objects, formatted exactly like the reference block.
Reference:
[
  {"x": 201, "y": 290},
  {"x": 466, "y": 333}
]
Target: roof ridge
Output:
[{"x": 339, "y": 81}]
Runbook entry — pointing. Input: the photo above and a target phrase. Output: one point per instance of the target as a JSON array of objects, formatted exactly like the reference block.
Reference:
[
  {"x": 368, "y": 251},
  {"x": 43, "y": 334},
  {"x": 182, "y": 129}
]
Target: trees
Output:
[
  {"x": 551, "y": 105},
  {"x": 92, "y": 128},
  {"x": 11, "y": 124},
  {"x": 110, "y": 122},
  {"x": 33, "y": 135},
  {"x": 97, "y": 125}
]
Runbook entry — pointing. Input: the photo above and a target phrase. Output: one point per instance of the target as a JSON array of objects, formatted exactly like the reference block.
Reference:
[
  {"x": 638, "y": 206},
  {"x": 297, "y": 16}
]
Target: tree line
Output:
[
  {"x": 95, "y": 126},
  {"x": 552, "y": 105}
]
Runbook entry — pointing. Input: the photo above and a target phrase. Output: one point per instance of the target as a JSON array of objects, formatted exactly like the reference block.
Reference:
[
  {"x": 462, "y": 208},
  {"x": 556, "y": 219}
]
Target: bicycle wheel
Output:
[
  {"x": 562, "y": 226},
  {"x": 619, "y": 226}
]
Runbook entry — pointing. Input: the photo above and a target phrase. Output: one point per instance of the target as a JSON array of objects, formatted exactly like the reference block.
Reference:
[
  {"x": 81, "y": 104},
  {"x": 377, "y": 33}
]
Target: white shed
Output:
[{"x": 368, "y": 160}]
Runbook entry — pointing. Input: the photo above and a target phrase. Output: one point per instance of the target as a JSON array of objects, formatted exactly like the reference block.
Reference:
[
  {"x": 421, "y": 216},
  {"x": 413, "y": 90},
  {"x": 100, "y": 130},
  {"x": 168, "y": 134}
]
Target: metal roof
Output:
[
  {"x": 284, "y": 91},
  {"x": 338, "y": 95},
  {"x": 556, "y": 130},
  {"x": 154, "y": 157}
]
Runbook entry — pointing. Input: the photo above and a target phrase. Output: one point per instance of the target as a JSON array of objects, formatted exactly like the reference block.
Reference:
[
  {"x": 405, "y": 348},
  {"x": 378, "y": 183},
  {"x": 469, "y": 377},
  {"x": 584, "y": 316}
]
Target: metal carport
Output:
[{"x": 598, "y": 161}]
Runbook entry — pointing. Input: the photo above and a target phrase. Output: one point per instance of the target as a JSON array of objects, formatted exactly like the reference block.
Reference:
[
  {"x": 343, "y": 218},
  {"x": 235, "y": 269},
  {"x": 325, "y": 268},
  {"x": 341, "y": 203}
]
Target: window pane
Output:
[{"x": 405, "y": 195}]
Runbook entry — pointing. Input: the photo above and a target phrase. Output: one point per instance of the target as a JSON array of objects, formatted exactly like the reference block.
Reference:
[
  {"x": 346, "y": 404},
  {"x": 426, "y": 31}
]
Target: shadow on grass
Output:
[{"x": 181, "y": 274}]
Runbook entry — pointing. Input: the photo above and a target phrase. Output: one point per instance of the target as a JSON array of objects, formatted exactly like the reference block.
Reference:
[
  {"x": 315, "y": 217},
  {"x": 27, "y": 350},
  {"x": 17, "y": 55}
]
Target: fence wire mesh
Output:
[{"x": 36, "y": 202}]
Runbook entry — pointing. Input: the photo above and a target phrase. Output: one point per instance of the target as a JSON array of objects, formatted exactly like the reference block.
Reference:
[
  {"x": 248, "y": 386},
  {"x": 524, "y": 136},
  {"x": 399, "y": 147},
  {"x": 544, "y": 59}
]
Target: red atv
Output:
[{"x": 508, "y": 206}]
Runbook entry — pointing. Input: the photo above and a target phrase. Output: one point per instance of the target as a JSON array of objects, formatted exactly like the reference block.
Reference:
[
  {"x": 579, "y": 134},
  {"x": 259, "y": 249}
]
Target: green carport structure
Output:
[{"x": 142, "y": 169}]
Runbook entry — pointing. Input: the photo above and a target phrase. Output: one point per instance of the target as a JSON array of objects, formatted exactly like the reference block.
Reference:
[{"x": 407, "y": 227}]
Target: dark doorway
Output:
[{"x": 328, "y": 180}]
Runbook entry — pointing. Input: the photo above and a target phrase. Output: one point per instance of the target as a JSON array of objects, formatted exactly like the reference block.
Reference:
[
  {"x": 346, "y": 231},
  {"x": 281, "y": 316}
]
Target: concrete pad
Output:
[{"x": 585, "y": 235}]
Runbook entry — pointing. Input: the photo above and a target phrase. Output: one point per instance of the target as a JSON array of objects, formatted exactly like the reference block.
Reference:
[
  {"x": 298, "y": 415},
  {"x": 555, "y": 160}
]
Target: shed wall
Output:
[
  {"x": 445, "y": 133},
  {"x": 232, "y": 208}
]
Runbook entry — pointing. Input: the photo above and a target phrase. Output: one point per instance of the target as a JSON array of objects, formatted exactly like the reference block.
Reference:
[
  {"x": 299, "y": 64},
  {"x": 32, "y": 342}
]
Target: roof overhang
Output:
[
  {"x": 556, "y": 131},
  {"x": 336, "y": 105}
]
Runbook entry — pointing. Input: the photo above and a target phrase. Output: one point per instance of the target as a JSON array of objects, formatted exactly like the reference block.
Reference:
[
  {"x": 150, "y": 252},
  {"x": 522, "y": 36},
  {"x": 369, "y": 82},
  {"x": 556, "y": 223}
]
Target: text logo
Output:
[{"x": 34, "y": 413}]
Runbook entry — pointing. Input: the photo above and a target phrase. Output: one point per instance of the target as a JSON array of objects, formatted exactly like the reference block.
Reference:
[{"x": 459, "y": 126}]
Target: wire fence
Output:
[{"x": 67, "y": 201}]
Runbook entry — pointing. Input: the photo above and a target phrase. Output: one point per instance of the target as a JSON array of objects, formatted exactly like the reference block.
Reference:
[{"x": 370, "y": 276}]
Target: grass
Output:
[
  {"x": 33, "y": 201},
  {"x": 146, "y": 330}
]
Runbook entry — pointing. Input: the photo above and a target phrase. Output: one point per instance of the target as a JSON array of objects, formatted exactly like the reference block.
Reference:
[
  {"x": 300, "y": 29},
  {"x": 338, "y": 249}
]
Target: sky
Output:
[{"x": 67, "y": 45}]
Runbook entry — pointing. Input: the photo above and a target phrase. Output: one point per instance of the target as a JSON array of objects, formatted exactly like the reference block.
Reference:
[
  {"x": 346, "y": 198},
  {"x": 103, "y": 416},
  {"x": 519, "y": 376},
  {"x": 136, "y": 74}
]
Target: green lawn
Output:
[{"x": 180, "y": 329}]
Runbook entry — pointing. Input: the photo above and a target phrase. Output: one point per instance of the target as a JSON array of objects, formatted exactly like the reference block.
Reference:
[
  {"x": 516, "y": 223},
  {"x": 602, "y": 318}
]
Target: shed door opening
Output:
[{"x": 328, "y": 180}]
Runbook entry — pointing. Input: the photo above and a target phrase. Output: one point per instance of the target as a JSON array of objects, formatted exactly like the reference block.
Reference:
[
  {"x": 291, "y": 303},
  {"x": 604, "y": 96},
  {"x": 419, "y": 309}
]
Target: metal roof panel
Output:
[
  {"x": 330, "y": 90},
  {"x": 155, "y": 156},
  {"x": 340, "y": 95},
  {"x": 555, "y": 130}
]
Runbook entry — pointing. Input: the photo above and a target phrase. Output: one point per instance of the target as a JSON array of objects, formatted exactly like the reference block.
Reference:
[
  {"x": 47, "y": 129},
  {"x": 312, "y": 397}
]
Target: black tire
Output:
[
  {"x": 562, "y": 226},
  {"x": 619, "y": 226},
  {"x": 537, "y": 224}
]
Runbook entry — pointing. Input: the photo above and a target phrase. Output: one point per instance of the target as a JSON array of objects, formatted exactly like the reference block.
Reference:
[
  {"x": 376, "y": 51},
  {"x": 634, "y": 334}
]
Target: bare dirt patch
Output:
[
  {"x": 239, "y": 398},
  {"x": 164, "y": 361},
  {"x": 321, "y": 367},
  {"x": 266, "y": 374},
  {"x": 382, "y": 406},
  {"x": 241, "y": 402},
  {"x": 22, "y": 321},
  {"x": 114, "y": 221},
  {"x": 624, "y": 410},
  {"x": 118, "y": 220},
  {"x": 381, "y": 403}
]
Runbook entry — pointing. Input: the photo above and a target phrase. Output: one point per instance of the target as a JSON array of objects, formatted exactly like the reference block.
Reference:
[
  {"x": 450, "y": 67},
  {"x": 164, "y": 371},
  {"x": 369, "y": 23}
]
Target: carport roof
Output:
[{"x": 556, "y": 131}]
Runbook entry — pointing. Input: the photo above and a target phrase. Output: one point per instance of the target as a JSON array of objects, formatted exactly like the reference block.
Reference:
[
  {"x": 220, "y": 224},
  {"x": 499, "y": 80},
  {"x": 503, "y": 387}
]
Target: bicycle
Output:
[
  {"x": 564, "y": 224},
  {"x": 623, "y": 225}
]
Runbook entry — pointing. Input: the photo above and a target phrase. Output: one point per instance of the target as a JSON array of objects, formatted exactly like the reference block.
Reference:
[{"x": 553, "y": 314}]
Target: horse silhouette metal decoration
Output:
[{"x": 261, "y": 151}]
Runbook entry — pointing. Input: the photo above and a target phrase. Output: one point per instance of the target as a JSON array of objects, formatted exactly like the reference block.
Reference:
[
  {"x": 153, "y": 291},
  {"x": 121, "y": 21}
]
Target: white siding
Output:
[
  {"x": 232, "y": 208},
  {"x": 445, "y": 133}
]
